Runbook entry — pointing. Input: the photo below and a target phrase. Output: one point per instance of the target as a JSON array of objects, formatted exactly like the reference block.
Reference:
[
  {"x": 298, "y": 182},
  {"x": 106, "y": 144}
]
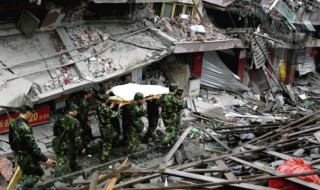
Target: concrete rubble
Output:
[
  {"x": 184, "y": 28},
  {"x": 244, "y": 122}
]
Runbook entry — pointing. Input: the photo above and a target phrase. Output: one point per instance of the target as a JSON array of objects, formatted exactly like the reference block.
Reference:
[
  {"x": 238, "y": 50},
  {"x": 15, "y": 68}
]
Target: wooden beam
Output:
[
  {"x": 174, "y": 148},
  {"x": 114, "y": 180},
  {"x": 277, "y": 173},
  {"x": 274, "y": 153},
  {"x": 46, "y": 185},
  {"x": 284, "y": 127},
  {"x": 94, "y": 180},
  {"x": 183, "y": 166},
  {"x": 213, "y": 179},
  {"x": 228, "y": 175},
  {"x": 211, "y": 184},
  {"x": 136, "y": 180},
  {"x": 192, "y": 164}
]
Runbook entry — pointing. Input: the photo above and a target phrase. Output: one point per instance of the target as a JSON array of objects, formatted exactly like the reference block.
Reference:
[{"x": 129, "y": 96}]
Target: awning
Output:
[{"x": 216, "y": 74}]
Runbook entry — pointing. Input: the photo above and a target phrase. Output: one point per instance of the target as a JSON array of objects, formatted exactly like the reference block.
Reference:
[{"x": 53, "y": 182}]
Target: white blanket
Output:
[{"x": 127, "y": 91}]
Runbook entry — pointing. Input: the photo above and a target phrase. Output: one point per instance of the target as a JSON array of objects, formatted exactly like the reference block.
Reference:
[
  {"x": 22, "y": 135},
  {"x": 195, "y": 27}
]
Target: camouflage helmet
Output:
[
  {"x": 138, "y": 96},
  {"x": 88, "y": 90},
  {"x": 153, "y": 82},
  {"x": 179, "y": 91},
  {"x": 173, "y": 86},
  {"x": 26, "y": 107},
  {"x": 104, "y": 97},
  {"x": 74, "y": 107}
]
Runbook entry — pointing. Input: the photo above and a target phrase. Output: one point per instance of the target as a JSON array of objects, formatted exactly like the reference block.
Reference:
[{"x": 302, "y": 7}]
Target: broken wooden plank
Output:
[
  {"x": 192, "y": 164},
  {"x": 304, "y": 131},
  {"x": 228, "y": 175},
  {"x": 175, "y": 147},
  {"x": 136, "y": 180},
  {"x": 317, "y": 135},
  {"x": 94, "y": 180},
  {"x": 284, "y": 130},
  {"x": 284, "y": 127},
  {"x": 183, "y": 166},
  {"x": 275, "y": 172},
  {"x": 114, "y": 180},
  {"x": 210, "y": 185},
  {"x": 46, "y": 185},
  {"x": 208, "y": 170},
  {"x": 212, "y": 179},
  {"x": 274, "y": 153}
]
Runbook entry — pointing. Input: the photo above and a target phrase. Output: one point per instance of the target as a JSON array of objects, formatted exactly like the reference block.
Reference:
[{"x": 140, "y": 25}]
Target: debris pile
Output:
[
  {"x": 185, "y": 28},
  {"x": 83, "y": 37},
  {"x": 99, "y": 66},
  {"x": 65, "y": 77}
]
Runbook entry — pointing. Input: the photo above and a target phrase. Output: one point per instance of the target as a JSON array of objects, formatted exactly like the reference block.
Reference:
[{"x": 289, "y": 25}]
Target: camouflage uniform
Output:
[
  {"x": 125, "y": 122},
  {"x": 67, "y": 132},
  {"x": 153, "y": 117},
  {"x": 135, "y": 112},
  {"x": 83, "y": 116},
  {"x": 107, "y": 130},
  {"x": 26, "y": 152},
  {"x": 180, "y": 108},
  {"x": 170, "y": 105}
]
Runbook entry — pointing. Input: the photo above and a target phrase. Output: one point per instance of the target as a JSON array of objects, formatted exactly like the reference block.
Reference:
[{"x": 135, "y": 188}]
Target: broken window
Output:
[
  {"x": 172, "y": 9},
  {"x": 178, "y": 10},
  {"x": 157, "y": 8},
  {"x": 108, "y": 11}
]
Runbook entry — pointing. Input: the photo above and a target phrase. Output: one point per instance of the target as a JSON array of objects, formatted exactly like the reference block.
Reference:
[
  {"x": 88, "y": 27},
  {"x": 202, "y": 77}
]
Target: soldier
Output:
[
  {"x": 170, "y": 104},
  {"x": 102, "y": 91},
  {"x": 68, "y": 142},
  {"x": 85, "y": 129},
  {"x": 153, "y": 115},
  {"x": 179, "y": 110},
  {"x": 107, "y": 129},
  {"x": 135, "y": 112},
  {"x": 26, "y": 151}
]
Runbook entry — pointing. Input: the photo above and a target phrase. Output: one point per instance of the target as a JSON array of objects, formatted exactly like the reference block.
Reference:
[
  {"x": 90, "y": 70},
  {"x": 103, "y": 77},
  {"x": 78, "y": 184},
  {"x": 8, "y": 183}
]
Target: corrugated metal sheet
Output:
[{"x": 216, "y": 74}]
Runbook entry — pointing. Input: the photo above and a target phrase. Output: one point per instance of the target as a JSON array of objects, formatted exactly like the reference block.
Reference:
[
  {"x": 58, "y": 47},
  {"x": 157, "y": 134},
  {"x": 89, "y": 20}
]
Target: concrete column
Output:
[
  {"x": 197, "y": 63},
  {"x": 241, "y": 65},
  {"x": 137, "y": 75},
  {"x": 290, "y": 67}
]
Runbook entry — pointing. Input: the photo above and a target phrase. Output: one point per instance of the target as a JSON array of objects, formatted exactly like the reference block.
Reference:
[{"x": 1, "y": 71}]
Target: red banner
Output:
[{"x": 40, "y": 116}]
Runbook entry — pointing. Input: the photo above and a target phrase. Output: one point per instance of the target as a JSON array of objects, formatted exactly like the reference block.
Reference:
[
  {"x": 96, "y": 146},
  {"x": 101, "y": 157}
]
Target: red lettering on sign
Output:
[{"x": 40, "y": 116}]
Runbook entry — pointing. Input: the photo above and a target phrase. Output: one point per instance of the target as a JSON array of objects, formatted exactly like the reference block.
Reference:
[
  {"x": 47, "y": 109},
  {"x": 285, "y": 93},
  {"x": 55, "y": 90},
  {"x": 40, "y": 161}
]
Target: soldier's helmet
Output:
[
  {"x": 88, "y": 90},
  {"x": 173, "y": 86},
  {"x": 104, "y": 97},
  {"x": 179, "y": 91},
  {"x": 26, "y": 107},
  {"x": 74, "y": 107},
  {"x": 138, "y": 96},
  {"x": 153, "y": 82}
]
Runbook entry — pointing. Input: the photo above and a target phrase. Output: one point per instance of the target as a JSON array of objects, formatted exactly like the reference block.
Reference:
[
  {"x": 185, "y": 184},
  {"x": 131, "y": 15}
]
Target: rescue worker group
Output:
[{"x": 73, "y": 133}]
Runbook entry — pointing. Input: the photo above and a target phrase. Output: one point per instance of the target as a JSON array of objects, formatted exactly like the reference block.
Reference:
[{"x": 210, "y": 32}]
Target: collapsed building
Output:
[{"x": 51, "y": 49}]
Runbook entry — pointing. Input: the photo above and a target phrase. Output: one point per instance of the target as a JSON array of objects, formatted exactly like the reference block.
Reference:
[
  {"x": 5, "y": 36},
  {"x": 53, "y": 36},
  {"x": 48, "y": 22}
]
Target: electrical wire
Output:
[{"x": 44, "y": 61}]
